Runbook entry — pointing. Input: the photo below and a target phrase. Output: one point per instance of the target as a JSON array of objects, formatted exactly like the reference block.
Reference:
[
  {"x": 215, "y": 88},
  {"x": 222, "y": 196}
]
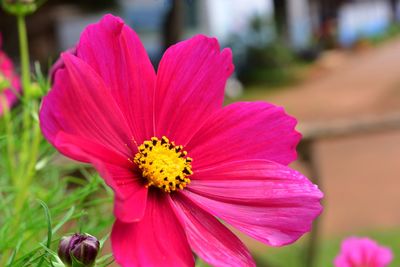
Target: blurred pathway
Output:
[
  {"x": 362, "y": 83},
  {"x": 360, "y": 173}
]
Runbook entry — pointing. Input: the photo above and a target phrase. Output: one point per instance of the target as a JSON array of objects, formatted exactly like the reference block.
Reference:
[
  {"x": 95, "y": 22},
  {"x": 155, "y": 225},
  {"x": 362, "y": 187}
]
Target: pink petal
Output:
[
  {"x": 59, "y": 64},
  {"x": 131, "y": 209},
  {"x": 130, "y": 191},
  {"x": 244, "y": 131},
  {"x": 190, "y": 86},
  {"x": 81, "y": 105},
  {"x": 268, "y": 201},
  {"x": 209, "y": 239},
  {"x": 115, "y": 52},
  {"x": 7, "y": 70},
  {"x": 85, "y": 150},
  {"x": 157, "y": 240},
  {"x": 117, "y": 171},
  {"x": 384, "y": 257},
  {"x": 356, "y": 251}
]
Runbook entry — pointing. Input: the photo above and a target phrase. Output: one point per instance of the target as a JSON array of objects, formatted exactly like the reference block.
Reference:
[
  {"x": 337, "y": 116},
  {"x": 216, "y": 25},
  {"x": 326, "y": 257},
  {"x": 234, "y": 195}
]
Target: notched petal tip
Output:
[
  {"x": 59, "y": 64},
  {"x": 113, "y": 23},
  {"x": 227, "y": 54},
  {"x": 67, "y": 58},
  {"x": 292, "y": 122},
  {"x": 266, "y": 200},
  {"x": 111, "y": 18},
  {"x": 202, "y": 39}
]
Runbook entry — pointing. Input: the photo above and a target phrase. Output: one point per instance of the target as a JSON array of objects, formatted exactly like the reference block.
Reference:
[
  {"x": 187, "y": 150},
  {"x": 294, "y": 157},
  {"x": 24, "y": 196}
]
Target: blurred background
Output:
[{"x": 333, "y": 64}]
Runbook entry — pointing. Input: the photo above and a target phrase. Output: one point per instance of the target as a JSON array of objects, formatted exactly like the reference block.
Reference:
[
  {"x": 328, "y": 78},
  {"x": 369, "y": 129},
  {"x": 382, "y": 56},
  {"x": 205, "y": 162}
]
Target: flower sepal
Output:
[
  {"x": 20, "y": 7},
  {"x": 77, "y": 263}
]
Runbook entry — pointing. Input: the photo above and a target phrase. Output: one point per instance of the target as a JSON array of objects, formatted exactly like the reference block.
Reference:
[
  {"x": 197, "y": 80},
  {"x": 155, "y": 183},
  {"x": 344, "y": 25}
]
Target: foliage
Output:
[
  {"x": 271, "y": 65},
  {"x": 265, "y": 57},
  {"x": 392, "y": 31},
  {"x": 42, "y": 196},
  {"x": 37, "y": 206}
]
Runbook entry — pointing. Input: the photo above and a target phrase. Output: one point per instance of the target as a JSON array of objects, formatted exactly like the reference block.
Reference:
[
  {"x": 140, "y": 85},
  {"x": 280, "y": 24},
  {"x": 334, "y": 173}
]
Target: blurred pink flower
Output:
[
  {"x": 362, "y": 252},
  {"x": 109, "y": 108},
  {"x": 9, "y": 81}
]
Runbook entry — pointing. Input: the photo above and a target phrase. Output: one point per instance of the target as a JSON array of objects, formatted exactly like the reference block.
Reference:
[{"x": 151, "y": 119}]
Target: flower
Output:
[
  {"x": 9, "y": 82},
  {"x": 362, "y": 252},
  {"x": 82, "y": 247},
  {"x": 176, "y": 159}
]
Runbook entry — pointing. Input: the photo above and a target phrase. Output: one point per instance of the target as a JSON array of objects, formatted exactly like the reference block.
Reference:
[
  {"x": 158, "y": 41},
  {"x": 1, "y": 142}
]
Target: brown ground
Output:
[{"x": 360, "y": 173}]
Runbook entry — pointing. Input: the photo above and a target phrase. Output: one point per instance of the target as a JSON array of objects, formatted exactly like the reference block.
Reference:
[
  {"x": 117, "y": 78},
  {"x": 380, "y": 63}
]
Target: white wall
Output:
[
  {"x": 299, "y": 23},
  {"x": 226, "y": 17},
  {"x": 363, "y": 19}
]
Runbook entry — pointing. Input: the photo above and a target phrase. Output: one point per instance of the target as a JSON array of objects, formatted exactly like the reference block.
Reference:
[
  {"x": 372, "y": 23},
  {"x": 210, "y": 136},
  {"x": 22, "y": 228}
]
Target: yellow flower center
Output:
[{"x": 164, "y": 164}]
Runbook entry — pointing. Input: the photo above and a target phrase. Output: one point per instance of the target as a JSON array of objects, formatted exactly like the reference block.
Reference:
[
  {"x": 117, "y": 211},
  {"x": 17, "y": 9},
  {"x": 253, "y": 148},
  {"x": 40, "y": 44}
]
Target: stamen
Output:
[{"x": 163, "y": 164}]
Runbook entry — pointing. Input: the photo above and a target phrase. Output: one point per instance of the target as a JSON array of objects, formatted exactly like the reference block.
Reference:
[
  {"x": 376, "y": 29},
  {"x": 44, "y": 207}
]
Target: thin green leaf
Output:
[{"x": 49, "y": 229}]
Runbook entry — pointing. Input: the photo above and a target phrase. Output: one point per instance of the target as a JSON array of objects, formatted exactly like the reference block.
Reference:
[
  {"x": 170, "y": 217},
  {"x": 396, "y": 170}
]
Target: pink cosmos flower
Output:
[
  {"x": 176, "y": 159},
  {"x": 9, "y": 81},
  {"x": 362, "y": 252}
]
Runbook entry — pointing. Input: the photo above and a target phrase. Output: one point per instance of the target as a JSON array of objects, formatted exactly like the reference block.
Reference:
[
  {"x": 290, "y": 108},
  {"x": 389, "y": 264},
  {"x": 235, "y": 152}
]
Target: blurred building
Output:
[
  {"x": 334, "y": 22},
  {"x": 301, "y": 23}
]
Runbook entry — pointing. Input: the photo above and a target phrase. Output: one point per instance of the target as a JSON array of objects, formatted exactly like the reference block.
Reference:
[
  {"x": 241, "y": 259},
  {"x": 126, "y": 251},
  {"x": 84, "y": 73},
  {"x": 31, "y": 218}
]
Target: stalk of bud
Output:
[{"x": 78, "y": 248}]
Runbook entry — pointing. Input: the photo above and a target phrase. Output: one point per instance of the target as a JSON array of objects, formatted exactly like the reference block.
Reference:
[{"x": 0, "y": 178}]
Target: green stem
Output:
[
  {"x": 29, "y": 169},
  {"x": 26, "y": 84},
  {"x": 24, "y": 150},
  {"x": 306, "y": 150},
  {"x": 21, "y": 180},
  {"x": 24, "y": 54},
  {"x": 9, "y": 127}
]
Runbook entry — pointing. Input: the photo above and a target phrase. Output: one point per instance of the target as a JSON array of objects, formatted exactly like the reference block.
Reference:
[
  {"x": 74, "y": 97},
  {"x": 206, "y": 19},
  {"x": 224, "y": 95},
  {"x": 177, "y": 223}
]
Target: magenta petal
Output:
[
  {"x": 131, "y": 209},
  {"x": 117, "y": 171},
  {"x": 190, "y": 86},
  {"x": 130, "y": 191},
  {"x": 116, "y": 53},
  {"x": 155, "y": 241},
  {"x": 209, "y": 239},
  {"x": 79, "y": 104},
  {"x": 242, "y": 131},
  {"x": 268, "y": 201},
  {"x": 84, "y": 150},
  {"x": 59, "y": 64}
]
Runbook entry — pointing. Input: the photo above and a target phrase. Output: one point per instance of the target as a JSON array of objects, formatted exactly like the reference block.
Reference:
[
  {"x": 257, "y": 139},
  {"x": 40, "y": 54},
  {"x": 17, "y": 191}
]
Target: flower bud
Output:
[{"x": 81, "y": 247}]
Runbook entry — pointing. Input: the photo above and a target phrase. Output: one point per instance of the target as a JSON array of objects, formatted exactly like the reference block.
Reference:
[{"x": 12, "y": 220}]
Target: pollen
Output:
[{"x": 164, "y": 164}]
